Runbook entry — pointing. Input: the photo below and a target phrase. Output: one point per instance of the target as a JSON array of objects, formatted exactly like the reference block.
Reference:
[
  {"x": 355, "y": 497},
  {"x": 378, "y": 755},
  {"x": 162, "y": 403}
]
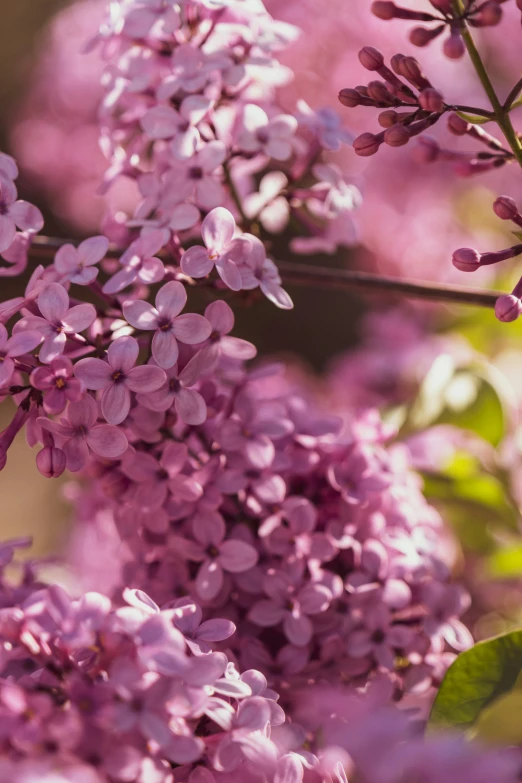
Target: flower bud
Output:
[
  {"x": 505, "y": 208},
  {"x": 396, "y": 136},
  {"x": 508, "y": 308},
  {"x": 366, "y": 144},
  {"x": 378, "y": 93},
  {"x": 431, "y": 100},
  {"x": 421, "y": 36},
  {"x": 395, "y": 63},
  {"x": 383, "y": 10},
  {"x": 371, "y": 58},
  {"x": 50, "y": 461},
  {"x": 454, "y": 45},
  {"x": 457, "y": 125},
  {"x": 442, "y": 5},
  {"x": 426, "y": 150},
  {"x": 349, "y": 97},
  {"x": 388, "y": 118},
  {"x": 489, "y": 15},
  {"x": 466, "y": 259}
]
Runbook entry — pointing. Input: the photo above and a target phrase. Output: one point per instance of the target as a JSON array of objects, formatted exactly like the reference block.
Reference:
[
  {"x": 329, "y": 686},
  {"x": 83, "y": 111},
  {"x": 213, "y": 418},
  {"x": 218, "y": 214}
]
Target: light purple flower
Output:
[
  {"x": 118, "y": 377},
  {"x": 259, "y": 271},
  {"x": 190, "y": 71},
  {"x": 221, "y": 319},
  {"x": 58, "y": 320},
  {"x": 194, "y": 178},
  {"x": 326, "y": 124},
  {"x": 139, "y": 262},
  {"x": 187, "y": 617},
  {"x": 15, "y": 214},
  {"x": 75, "y": 264},
  {"x": 272, "y": 137},
  {"x": 248, "y": 740},
  {"x": 252, "y": 431},
  {"x": 166, "y": 322},
  {"x": 380, "y": 638},
  {"x": 164, "y": 122},
  {"x": 80, "y": 434},
  {"x": 189, "y": 404},
  {"x": 13, "y": 347},
  {"x": 58, "y": 384},
  {"x": 151, "y": 18},
  {"x": 221, "y": 250}
]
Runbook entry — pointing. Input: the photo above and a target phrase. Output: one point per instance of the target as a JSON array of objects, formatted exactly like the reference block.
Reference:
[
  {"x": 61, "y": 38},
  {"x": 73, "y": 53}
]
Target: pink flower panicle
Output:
[{"x": 19, "y": 220}]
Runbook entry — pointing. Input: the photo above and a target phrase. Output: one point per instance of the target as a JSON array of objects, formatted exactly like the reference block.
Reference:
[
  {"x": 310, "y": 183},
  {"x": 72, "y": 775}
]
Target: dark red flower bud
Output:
[
  {"x": 454, "y": 45},
  {"x": 466, "y": 259},
  {"x": 489, "y": 15},
  {"x": 371, "y": 58},
  {"x": 388, "y": 118},
  {"x": 396, "y": 136},
  {"x": 508, "y": 308},
  {"x": 379, "y": 93},
  {"x": 50, "y": 461},
  {"x": 383, "y": 10},
  {"x": 421, "y": 36},
  {"x": 431, "y": 100},
  {"x": 457, "y": 125},
  {"x": 505, "y": 208},
  {"x": 366, "y": 144},
  {"x": 349, "y": 97}
]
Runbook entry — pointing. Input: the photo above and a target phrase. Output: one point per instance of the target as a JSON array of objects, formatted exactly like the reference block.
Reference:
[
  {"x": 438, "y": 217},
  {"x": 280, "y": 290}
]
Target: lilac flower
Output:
[
  {"x": 13, "y": 347},
  {"x": 58, "y": 384},
  {"x": 164, "y": 122},
  {"x": 118, "y": 377},
  {"x": 325, "y": 123},
  {"x": 167, "y": 324},
  {"x": 187, "y": 617},
  {"x": 222, "y": 250},
  {"x": 75, "y": 264},
  {"x": 217, "y": 554},
  {"x": 176, "y": 390},
  {"x": 80, "y": 434},
  {"x": 139, "y": 262},
  {"x": 15, "y": 214},
  {"x": 272, "y": 137},
  {"x": 190, "y": 71},
  {"x": 380, "y": 638},
  {"x": 221, "y": 319},
  {"x": 194, "y": 178},
  {"x": 248, "y": 739},
  {"x": 151, "y": 17},
  {"x": 259, "y": 271},
  {"x": 58, "y": 320}
]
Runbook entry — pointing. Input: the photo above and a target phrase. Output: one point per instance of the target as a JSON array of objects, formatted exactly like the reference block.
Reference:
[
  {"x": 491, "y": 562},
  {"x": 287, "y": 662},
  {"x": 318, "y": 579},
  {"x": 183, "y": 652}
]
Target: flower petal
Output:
[
  {"x": 146, "y": 378},
  {"x": 115, "y": 403},
  {"x": 107, "y": 441},
  {"x": 209, "y": 580},
  {"x": 122, "y": 353},
  {"x": 141, "y": 315},
  {"x": 94, "y": 373},
  {"x": 23, "y": 342},
  {"x": 92, "y": 250},
  {"x": 52, "y": 347},
  {"x": 26, "y": 216},
  {"x": 53, "y": 303},
  {"x": 165, "y": 349},
  {"x": 79, "y": 317},
  {"x": 236, "y": 556},
  {"x": 191, "y": 328},
  {"x": 171, "y": 299},
  {"x": 191, "y": 407},
  {"x": 218, "y": 229},
  {"x": 7, "y": 232},
  {"x": 196, "y": 262}
]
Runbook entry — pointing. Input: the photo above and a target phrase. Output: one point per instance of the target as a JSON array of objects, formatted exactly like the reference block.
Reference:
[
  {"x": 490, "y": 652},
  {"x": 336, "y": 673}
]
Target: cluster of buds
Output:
[
  {"x": 424, "y": 105},
  {"x": 448, "y": 16},
  {"x": 465, "y": 164},
  {"x": 509, "y": 306}
]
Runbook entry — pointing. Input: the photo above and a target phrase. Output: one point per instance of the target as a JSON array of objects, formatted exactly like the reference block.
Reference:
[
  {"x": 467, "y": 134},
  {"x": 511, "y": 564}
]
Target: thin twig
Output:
[{"x": 308, "y": 275}]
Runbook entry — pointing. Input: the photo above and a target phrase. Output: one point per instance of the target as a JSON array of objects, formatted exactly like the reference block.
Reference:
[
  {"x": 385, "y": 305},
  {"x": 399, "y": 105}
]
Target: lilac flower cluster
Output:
[{"x": 19, "y": 220}]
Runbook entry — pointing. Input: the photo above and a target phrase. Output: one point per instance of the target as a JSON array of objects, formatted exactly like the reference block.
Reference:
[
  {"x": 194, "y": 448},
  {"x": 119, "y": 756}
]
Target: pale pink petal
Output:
[
  {"x": 151, "y": 241},
  {"x": 26, "y": 216},
  {"x": 161, "y": 122},
  {"x": 253, "y": 713},
  {"x": 53, "y": 302},
  {"x": 185, "y": 488},
  {"x": 183, "y": 216},
  {"x": 298, "y": 629},
  {"x": 83, "y": 413},
  {"x": 7, "y": 367},
  {"x": 184, "y": 145},
  {"x": 216, "y": 630},
  {"x": 191, "y": 372},
  {"x": 279, "y": 149},
  {"x": 94, "y": 373},
  {"x": 171, "y": 299},
  {"x": 209, "y": 193},
  {"x": 107, "y": 441},
  {"x": 165, "y": 349},
  {"x": 66, "y": 259},
  {"x": 359, "y": 644},
  {"x": 76, "y": 453},
  {"x": 140, "y": 314},
  {"x": 254, "y": 118},
  {"x": 289, "y": 769},
  {"x": 122, "y": 353},
  {"x": 7, "y": 232},
  {"x": 195, "y": 107},
  {"x": 115, "y": 403},
  {"x": 236, "y": 556},
  {"x": 191, "y": 407},
  {"x": 260, "y": 451},
  {"x": 23, "y": 342},
  {"x": 220, "y": 316},
  {"x": 79, "y": 317},
  {"x": 146, "y": 378},
  {"x": 211, "y": 156},
  {"x": 218, "y": 229},
  {"x": 120, "y": 280},
  {"x": 191, "y": 328},
  {"x": 284, "y": 126},
  {"x": 236, "y": 348},
  {"x": 277, "y": 295},
  {"x": 209, "y": 580},
  {"x": 84, "y": 276},
  {"x": 174, "y": 457},
  {"x": 196, "y": 262},
  {"x": 209, "y": 528},
  {"x": 62, "y": 430},
  {"x": 266, "y": 613},
  {"x": 184, "y": 750},
  {"x": 52, "y": 347},
  {"x": 92, "y": 250},
  {"x": 314, "y": 599},
  {"x": 229, "y": 273}
]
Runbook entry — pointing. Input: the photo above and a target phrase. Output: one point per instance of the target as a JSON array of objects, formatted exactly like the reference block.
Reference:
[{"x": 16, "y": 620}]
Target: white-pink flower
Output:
[
  {"x": 167, "y": 324},
  {"x": 77, "y": 264},
  {"x": 221, "y": 319},
  {"x": 80, "y": 434},
  {"x": 221, "y": 250},
  {"x": 151, "y": 18},
  {"x": 271, "y": 137},
  {"x": 191, "y": 69},
  {"x": 15, "y": 214},
  {"x": 260, "y": 271},
  {"x": 58, "y": 321},
  {"x": 118, "y": 377},
  {"x": 189, "y": 404},
  {"x": 193, "y": 178},
  {"x": 139, "y": 262},
  {"x": 165, "y": 122},
  {"x": 12, "y": 347}
]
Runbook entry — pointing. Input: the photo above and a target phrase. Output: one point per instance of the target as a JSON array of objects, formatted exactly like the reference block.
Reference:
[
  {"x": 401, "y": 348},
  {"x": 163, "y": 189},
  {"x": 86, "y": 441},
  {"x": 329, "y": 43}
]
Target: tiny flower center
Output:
[
  {"x": 215, "y": 337},
  {"x": 196, "y": 172},
  {"x": 174, "y": 385},
  {"x": 378, "y": 637},
  {"x": 164, "y": 324},
  {"x": 3, "y": 208},
  {"x": 60, "y": 383},
  {"x": 262, "y": 136},
  {"x": 118, "y": 376},
  {"x": 212, "y": 551}
]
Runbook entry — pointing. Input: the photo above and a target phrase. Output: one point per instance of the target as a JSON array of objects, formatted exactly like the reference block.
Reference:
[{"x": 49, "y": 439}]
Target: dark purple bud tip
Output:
[
  {"x": 383, "y": 10},
  {"x": 50, "y": 462},
  {"x": 466, "y": 259},
  {"x": 349, "y": 97},
  {"x": 366, "y": 144},
  {"x": 431, "y": 100},
  {"x": 371, "y": 58},
  {"x": 453, "y": 46},
  {"x": 505, "y": 208},
  {"x": 396, "y": 136},
  {"x": 457, "y": 125},
  {"x": 508, "y": 308}
]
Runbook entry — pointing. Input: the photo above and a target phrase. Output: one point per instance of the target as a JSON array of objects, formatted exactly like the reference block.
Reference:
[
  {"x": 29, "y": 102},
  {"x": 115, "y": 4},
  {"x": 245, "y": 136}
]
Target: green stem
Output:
[
  {"x": 235, "y": 196},
  {"x": 502, "y": 117}
]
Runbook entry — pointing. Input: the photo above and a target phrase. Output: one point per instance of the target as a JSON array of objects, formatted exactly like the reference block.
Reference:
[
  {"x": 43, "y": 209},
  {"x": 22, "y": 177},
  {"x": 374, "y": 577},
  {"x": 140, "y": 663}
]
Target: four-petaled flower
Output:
[
  {"x": 139, "y": 262},
  {"x": 77, "y": 264},
  {"x": 164, "y": 122},
  {"x": 58, "y": 384},
  {"x": 221, "y": 319},
  {"x": 118, "y": 377},
  {"x": 80, "y": 434},
  {"x": 272, "y": 137},
  {"x": 166, "y": 322},
  {"x": 15, "y": 214},
  {"x": 12, "y": 347}
]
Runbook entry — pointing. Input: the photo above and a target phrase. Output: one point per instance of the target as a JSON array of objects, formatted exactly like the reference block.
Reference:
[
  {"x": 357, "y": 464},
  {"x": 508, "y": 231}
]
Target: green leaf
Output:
[
  {"x": 474, "y": 119},
  {"x": 517, "y": 234},
  {"x": 505, "y": 563},
  {"x": 477, "y": 678},
  {"x": 496, "y": 724}
]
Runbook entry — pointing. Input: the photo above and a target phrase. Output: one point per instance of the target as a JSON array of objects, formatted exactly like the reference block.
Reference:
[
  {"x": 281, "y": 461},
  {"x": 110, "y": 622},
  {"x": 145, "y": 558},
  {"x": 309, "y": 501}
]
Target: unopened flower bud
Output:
[
  {"x": 457, "y": 125},
  {"x": 50, "y": 461},
  {"x": 395, "y": 63},
  {"x": 388, "y": 118},
  {"x": 383, "y": 10},
  {"x": 421, "y": 36},
  {"x": 366, "y": 144},
  {"x": 426, "y": 150},
  {"x": 371, "y": 58},
  {"x": 466, "y": 259},
  {"x": 489, "y": 15},
  {"x": 505, "y": 208},
  {"x": 431, "y": 100},
  {"x": 442, "y": 5},
  {"x": 349, "y": 97},
  {"x": 396, "y": 136},
  {"x": 454, "y": 45},
  {"x": 378, "y": 93},
  {"x": 508, "y": 308}
]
